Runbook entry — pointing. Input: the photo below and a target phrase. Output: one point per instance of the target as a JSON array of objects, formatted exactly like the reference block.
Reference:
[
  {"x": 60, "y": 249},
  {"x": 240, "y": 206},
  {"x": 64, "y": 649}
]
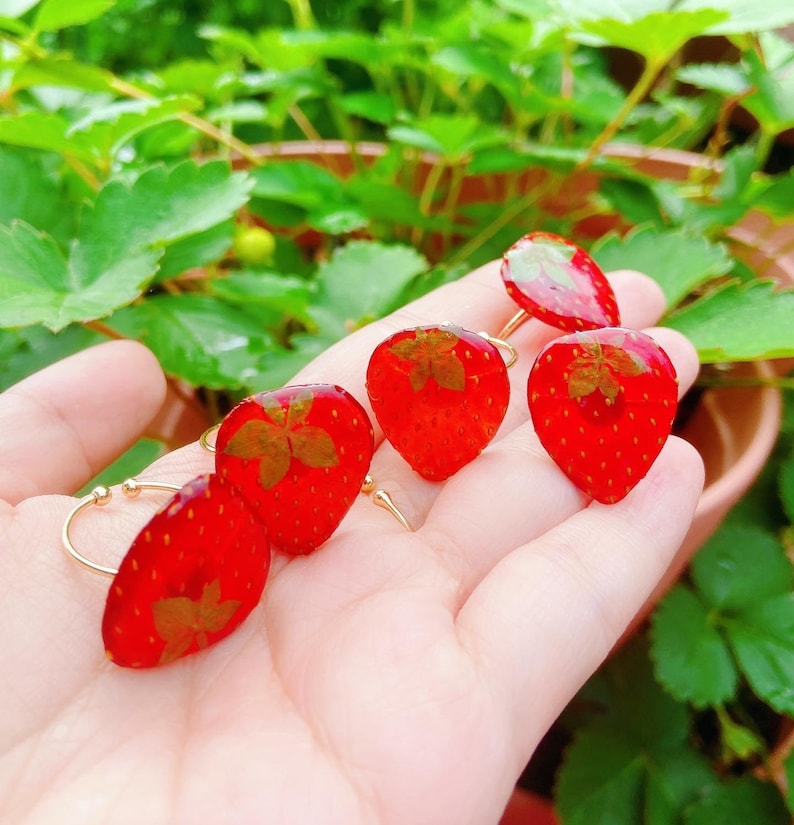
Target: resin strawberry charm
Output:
[
  {"x": 440, "y": 394},
  {"x": 602, "y": 403},
  {"x": 299, "y": 455},
  {"x": 189, "y": 579},
  {"x": 556, "y": 281}
]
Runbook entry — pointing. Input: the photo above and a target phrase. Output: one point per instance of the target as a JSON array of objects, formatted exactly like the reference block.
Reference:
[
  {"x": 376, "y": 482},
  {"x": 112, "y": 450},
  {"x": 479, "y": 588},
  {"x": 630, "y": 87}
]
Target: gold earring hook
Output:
[
  {"x": 204, "y": 438},
  {"x": 500, "y": 343},
  {"x": 101, "y": 497},
  {"x": 382, "y": 499},
  {"x": 513, "y": 324}
]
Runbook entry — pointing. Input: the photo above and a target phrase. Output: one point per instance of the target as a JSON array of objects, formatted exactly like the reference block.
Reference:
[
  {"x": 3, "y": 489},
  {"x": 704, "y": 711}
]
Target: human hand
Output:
[{"x": 391, "y": 677}]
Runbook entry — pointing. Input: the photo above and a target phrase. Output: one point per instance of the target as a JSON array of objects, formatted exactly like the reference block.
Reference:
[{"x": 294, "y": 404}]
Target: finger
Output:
[
  {"x": 547, "y": 615},
  {"x": 67, "y": 422},
  {"x": 515, "y": 492}
]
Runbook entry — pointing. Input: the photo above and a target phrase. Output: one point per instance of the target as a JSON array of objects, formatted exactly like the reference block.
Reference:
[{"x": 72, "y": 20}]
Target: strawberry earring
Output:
[
  {"x": 439, "y": 393},
  {"x": 603, "y": 398},
  {"x": 299, "y": 455},
  {"x": 556, "y": 281},
  {"x": 191, "y": 576}
]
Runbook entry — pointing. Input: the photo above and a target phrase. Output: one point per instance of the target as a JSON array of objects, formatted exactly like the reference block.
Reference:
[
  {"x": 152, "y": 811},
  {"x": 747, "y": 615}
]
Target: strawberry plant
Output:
[{"x": 147, "y": 190}]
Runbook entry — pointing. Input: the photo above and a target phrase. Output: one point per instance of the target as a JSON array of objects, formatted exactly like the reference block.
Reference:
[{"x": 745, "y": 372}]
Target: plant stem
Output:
[
  {"x": 649, "y": 74},
  {"x": 451, "y": 202},
  {"x": 426, "y": 198},
  {"x": 489, "y": 231},
  {"x": 83, "y": 172},
  {"x": 766, "y": 141},
  {"x": 408, "y": 16},
  {"x": 127, "y": 89},
  {"x": 102, "y": 328},
  {"x": 302, "y": 14},
  {"x": 307, "y": 127}
]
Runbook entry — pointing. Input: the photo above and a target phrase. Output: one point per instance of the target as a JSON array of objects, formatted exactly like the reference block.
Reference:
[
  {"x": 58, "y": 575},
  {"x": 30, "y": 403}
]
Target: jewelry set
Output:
[{"x": 289, "y": 463}]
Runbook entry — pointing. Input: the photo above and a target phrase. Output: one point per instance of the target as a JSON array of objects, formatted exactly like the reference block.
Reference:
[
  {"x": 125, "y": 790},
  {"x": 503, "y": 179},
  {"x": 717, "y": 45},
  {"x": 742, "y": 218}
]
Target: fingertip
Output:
[
  {"x": 640, "y": 298},
  {"x": 68, "y": 421},
  {"x": 681, "y": 352}
]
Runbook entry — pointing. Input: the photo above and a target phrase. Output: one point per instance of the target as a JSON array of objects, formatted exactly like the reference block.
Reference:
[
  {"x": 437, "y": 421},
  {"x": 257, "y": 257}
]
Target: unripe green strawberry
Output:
[{"x": 254, "y": 245}]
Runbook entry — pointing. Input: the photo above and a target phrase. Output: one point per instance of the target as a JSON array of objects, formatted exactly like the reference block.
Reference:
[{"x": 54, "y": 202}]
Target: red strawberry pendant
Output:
[
  {"x": 299, "y": 455},
  {"x": 602, "y": 403},
  {"x": 440, "y": 394},
  {"x": 189, "y": 579},
  {"x": 556, "y": 281}
]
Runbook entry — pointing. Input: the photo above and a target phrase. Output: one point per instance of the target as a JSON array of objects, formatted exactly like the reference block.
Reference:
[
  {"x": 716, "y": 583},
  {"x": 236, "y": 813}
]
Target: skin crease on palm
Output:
[{"x": 391, "y": 678}]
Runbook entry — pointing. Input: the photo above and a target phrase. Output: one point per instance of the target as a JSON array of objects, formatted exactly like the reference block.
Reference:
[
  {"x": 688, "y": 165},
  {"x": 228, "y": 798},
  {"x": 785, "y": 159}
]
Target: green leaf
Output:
[
  {"x": 678, "y": 262},
  {"x": 453, "y": 137},
  {"x": 16, "y": 8},
  {"x": 725, "y": 79},
  {"x": 388, "y": 202},
  {"x": 473, "y": 59},
  {"x": 359, "y": 282},
  {"x": 30, "y": 193},
  {"x": 63, "y": 72},
  {"x": 374, "y": 106},
  {"x": 762, "y": 638},
  {"x": 195, "y": 251},
  {"x": 634, "y": 200},
  {"x": 297, "y": 182},
  {"x": 739, "y": 17},
  {"x": 744, "y": 575},
  {"x": 691, "y": 658},
  {"x": 786, "y": 486},
  {"x": 109, "y": 128},
  {"x": 14, "y": 26},
  {"x": 60, "y": 14},
  {"x": 283, "y": 295},
  {"x": 746, "y": 17},
  {"x": 740, "y": 566},
  {"x": 739, "y": 800},
  {"x": 738, "y": 741},
  {"x": 772, "y": 102},
  {"x": 633, "y": 763},
  {"x": 120, "y": 242},
  {"x": 739, "y": 322},
  {"x": 778, "y": 198},
  {"x": 198, "y": 338},
  {"x": 28, "y": 350},
  {"x": 45, "y": 131},
  {"x": 656, "y": 36},
  {"x": 602, "y": 779}
]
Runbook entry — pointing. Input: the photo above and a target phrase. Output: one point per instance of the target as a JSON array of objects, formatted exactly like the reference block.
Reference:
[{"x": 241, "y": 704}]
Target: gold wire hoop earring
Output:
[{"x": 101, "y": 496}]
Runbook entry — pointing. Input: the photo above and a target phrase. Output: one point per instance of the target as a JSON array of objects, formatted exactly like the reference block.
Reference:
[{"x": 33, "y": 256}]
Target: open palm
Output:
[{"x": 390, "y": 677}]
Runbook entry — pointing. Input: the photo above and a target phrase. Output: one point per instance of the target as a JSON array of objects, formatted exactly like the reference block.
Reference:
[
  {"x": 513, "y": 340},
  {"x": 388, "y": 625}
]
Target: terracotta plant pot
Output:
[
  {"x": 733, "y": 429},
  {"x": 526, "y": 808}
]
